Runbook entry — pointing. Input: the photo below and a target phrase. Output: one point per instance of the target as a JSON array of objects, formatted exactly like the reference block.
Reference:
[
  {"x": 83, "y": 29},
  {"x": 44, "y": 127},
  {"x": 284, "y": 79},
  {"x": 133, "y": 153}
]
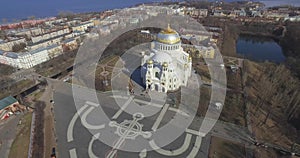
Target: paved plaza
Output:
[{"x": 79, "y": 132}]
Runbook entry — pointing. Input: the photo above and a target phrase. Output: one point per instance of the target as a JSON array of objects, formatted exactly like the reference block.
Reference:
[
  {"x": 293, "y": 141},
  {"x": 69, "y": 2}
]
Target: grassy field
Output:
[
  {"x": 234, "y": 110},
  {"x": 222, "y": 148},
  {"x": 19, "y": 148},
  {"x": 17, "y": 87}
]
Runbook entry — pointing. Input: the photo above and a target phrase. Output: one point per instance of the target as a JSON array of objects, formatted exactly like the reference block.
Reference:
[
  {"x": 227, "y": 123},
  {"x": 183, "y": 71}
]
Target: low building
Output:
[
  {"x": 83, "y": 26},
  {"x": 8, "y": 106},
  {"x": 39, "y": 56},
  {"x": 24, "y": 60},
  {"x": 134, "y": 20},
  {"x": 205, "y": 52},
  {"x": 54, "y": 50},
  {"x": 69, "y": 44},
  {"x": 275, "y": 15},
  {"x": 200, "y": 51},
  {"x": 8, "y": 45},
  {"x": 196, "y": 12},
  {"x": 104, "y": 30},
  {"x": 293, "y": 18},
  {"x": 198, "y": 36},
  {"x": 46, "y": 43},
  {"x": 256, "y": 13},
  {"x": 203, "y": 12},
  {"x": 25, "y": 32},
  {"x": 219, "y": 13},
  {"x": 53, "y": 34},
  {"x": 55, "y": 21},
  {"x": 9, "y": 58},
  {"x": 75, "y": 33},
  {"x": 238, "y": 12}
]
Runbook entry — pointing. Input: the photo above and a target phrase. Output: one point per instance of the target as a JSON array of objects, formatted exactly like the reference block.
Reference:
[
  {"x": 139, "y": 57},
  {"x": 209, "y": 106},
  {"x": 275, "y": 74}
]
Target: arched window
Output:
[{"x": 157, "y": 74}]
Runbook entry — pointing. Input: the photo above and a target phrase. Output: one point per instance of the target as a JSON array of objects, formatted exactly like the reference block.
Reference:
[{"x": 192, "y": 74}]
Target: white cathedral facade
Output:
[{"x": 167, "y": 67}]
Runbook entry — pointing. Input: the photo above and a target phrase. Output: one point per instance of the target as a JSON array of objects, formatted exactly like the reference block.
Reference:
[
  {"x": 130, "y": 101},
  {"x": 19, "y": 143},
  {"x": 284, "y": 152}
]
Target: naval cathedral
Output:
[{"x": 167, "y": 67}]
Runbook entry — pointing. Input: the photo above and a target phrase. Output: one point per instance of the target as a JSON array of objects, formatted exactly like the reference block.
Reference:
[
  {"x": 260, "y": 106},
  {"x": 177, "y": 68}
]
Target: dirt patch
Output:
[{"x": 38, "y": 138}]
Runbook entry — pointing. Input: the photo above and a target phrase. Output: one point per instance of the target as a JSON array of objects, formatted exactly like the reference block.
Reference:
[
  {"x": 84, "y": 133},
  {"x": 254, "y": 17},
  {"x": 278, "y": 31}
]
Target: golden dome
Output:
[
  {"x": 190, "y": 58},
  {"x": 168, "y": 36},
  {"x": 150, "y": 62},
  {"x": 168, "y": 30}
]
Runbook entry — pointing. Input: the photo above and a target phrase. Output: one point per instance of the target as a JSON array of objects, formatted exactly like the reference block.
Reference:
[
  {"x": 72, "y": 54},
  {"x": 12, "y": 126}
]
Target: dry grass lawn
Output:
[
  {"x": 19, "y": 148},
  {"x": 221, "y": 148}
]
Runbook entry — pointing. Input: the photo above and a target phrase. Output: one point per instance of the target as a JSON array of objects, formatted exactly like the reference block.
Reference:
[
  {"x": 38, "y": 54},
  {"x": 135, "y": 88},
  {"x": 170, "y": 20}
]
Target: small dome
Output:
[
  {"x": 168, "y": 36},
  {"x": 150, "y": 62},
  {"x": 165, "y": 64},
  {"x": 161, "y": 57}
]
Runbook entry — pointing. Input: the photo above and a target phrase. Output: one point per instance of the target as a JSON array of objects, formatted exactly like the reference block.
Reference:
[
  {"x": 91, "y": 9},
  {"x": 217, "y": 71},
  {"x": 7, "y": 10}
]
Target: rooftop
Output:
[
  {"x": 68, "y": 40},
  {"x": 9, "y": 54},
  {"x": 38, "y": 50},
  {"x": 7, "y": 101}
]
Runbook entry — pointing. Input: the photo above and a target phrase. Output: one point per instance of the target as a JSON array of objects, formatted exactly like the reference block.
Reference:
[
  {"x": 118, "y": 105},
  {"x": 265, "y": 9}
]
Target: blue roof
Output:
[
  {"x": 68, "y": 40},
  {"x": 7, "y": 101},
  {"x": 12, "y": 55},
  {"x": 52, "y": 46},
  {"x": 37, "y": 50},
  {"x": 9, "y": 54}
]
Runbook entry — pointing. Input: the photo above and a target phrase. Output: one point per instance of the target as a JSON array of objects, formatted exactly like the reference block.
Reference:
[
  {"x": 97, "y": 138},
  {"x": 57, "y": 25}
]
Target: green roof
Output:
[{"x": 7, "y": 101}]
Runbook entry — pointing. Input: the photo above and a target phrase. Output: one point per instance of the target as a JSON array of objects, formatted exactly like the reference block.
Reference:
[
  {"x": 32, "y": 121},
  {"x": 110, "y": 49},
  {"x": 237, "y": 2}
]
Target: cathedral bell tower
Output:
[
  {"x": 164, "y": 76},
  {"x": 149, "y": 74}
]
